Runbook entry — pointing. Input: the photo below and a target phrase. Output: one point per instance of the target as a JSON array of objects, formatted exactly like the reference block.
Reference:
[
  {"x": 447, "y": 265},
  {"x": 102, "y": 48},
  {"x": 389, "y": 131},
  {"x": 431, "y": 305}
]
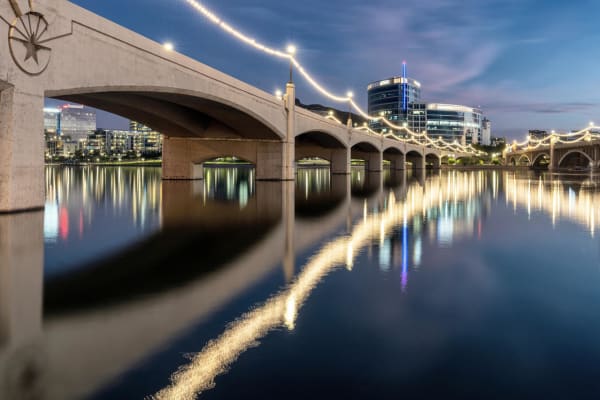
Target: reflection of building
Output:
[
  {"x": 77, "y": 121},
  {"x": 398, "y": 100}
]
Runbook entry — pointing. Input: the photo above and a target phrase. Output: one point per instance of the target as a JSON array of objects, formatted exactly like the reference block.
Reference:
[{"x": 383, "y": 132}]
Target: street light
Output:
[
  {"x": 291, "y": 50},
  {"x": 278, "y": 94},
  {"x": 168, "y": 46},
  {"x": 349, "y": 94}
]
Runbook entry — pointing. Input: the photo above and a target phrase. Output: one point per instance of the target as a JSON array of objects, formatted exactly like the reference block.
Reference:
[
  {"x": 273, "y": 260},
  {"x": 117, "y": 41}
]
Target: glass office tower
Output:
[
  {"x": 392, "y": 98},
  {"x": 398, "y": 100}
]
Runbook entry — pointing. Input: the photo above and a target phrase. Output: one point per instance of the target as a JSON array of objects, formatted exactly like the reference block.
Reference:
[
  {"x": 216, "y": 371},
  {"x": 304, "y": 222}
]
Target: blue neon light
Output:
[{"x": 404, "y": 88}]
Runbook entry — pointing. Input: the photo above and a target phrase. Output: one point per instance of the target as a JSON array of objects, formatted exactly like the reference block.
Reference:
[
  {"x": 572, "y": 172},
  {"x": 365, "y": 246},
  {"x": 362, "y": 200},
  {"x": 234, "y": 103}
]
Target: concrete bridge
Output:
[
  {"x": 59, "y": 50},
  {"x": 581, "y": 155}
]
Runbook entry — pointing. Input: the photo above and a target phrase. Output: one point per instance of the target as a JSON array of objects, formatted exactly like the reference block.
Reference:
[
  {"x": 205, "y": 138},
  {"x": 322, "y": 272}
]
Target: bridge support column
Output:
[
  {"x": 289, "y": 152},
  {"x": 340, "y": 162},
  {"x": 437, "y": 162},
  {"x": 418, "y": 162},
  {"x": 22, "y": 359},
  {"x": 273, "y": 161},
  {"x": 375, "y": 162},
  {"x": 553, "y": 161},
  {"x": 21, "y": 150},
  {"x": 397, "y": 162}
]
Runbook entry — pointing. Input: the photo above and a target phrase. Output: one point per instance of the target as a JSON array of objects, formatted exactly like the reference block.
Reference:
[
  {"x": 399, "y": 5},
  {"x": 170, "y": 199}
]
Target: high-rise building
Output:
[
  {"x": 392, "y": 98},
  {"x": 77, "y": 121},
  {"x": 51, "y": 120},
  {"x": 398, "y": 99},
  {"x": 135, "y": 126},
  {"x": 144, "y": 140},
  {"x": 496, "y": 141},
  {"x": 486, "y": 132},
  {"x": 450, "y": 122}
]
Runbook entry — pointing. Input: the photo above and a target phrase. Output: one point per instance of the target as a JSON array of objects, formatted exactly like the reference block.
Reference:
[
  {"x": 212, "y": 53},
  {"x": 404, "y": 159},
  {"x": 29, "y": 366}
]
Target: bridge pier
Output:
[
  {"x": 373, "y": 160},
  {"x": 340, "y": 162},
  {"x": 22, "y": 359},
  {"x": 183, "y": 157},
  {"x": 417, "y": 161},
  {"x": 21, "y": 150},
  {"x": 397, "y": 161},
  {"x": 288, "y": 172},
  {"x": 553, "y": 159}
]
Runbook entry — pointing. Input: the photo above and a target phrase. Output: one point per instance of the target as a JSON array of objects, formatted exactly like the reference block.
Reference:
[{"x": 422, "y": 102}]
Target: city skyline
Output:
[{"x": 503, "y": 57}]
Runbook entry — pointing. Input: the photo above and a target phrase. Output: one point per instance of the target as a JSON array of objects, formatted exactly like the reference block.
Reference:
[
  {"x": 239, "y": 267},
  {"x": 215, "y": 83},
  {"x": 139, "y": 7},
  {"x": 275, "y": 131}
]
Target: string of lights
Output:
[
  {"x": 290, "y": 55},
  {"x": 590, "y": 133}
]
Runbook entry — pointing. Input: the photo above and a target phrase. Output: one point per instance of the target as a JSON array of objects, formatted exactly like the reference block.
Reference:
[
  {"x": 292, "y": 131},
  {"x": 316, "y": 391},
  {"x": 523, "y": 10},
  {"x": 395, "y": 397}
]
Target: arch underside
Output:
[
  {"x": 367, "y": 153},
  {"x": 575, "y": 158},
  {"x": 433, "y": 159},
  {"x": 541, "y": 160},
  {"x": 177, "y": 115},
  {"x": 413, "y": 157},
  {"x": 364, "y": 147},
  {"x": 524, "y": 160},
  {"x": 317, "y": 144}
]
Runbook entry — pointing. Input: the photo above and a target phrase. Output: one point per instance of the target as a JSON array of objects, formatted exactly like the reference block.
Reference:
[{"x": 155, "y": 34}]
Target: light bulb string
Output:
[{"x": 211, "y": 16}]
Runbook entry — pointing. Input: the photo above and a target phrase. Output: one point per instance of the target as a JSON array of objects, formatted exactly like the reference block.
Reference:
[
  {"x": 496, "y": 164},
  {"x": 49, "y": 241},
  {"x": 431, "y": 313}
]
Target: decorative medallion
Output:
[{"x": 28, "y": 39}]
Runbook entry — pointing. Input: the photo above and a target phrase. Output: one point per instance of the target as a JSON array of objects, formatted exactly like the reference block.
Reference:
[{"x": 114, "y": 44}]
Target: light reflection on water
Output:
[{"x": 236, "y": 232}]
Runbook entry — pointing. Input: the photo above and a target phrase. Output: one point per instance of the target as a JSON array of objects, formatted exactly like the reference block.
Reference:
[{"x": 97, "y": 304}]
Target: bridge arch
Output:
[
  {"x": 575, "y": 158},
  {"x": 541, "y": 160},
  {"x": 434, "y": 160},
  {"x": 395, "y": 157},
  {"x": 416, "y": 159},
  {"x": 324, "y": 145},
  {"x": 368, "y": 152},
  {"x": 179, "y": 112},
  {"x": 524, "y": 160}
]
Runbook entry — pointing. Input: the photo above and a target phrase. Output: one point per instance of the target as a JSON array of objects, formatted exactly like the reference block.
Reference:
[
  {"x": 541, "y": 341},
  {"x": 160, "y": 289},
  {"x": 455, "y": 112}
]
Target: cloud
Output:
[{"x": 546, "y": 108}]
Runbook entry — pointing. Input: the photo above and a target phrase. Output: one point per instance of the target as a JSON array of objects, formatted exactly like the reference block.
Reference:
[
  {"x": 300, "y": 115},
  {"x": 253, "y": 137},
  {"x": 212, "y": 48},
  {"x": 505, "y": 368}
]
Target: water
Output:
[{"x": 478, "y": 284}]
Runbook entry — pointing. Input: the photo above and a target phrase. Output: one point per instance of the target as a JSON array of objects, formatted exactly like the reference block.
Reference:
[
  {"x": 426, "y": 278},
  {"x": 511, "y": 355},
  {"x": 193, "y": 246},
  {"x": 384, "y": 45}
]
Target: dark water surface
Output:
[{"x": 474, "y": 284}]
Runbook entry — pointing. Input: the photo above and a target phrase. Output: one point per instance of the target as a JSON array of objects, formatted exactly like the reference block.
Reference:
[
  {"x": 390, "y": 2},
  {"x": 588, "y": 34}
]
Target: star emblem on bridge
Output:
[{"x": 27, "y": 38}]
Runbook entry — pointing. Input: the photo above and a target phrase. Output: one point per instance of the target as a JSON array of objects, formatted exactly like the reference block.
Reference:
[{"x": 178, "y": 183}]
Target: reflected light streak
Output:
[
  {"x": 282, "y": 309},
  {"x": 557, "y": 200},
  {"x": 404, "y": 279}
]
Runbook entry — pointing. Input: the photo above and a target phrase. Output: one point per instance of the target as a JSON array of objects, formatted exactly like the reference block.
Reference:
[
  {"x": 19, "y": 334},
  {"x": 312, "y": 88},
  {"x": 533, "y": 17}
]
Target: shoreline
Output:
[{"x": 314, "y": 165}]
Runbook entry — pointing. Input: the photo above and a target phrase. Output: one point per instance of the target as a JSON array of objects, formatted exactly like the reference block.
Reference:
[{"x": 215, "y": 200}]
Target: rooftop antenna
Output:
[{"x": 404, "y": 88}]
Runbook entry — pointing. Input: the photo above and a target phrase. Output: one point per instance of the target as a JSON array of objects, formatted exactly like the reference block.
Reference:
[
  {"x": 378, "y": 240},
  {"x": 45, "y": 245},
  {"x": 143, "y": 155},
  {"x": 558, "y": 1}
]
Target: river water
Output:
[{"x": 453, "y": 284}]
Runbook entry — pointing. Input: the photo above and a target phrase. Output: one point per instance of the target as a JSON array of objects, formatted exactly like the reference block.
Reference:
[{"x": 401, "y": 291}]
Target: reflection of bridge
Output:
[
  {"x": 579, "y": 155},
  {"x": 561, "y": 201},
  {"x": 203, "y": 112},
  {"x": 71, "y": 352}
]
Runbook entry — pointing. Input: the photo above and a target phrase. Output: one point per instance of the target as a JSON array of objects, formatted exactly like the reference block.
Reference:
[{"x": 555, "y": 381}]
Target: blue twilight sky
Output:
[{"x": 530, "y": 64}]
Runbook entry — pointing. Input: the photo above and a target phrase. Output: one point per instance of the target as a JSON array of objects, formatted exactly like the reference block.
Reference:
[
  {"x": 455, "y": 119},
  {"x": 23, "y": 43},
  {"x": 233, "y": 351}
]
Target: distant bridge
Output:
[
  {"x": 57, "y": 49},
  {"x": 576, "y": 155}
]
